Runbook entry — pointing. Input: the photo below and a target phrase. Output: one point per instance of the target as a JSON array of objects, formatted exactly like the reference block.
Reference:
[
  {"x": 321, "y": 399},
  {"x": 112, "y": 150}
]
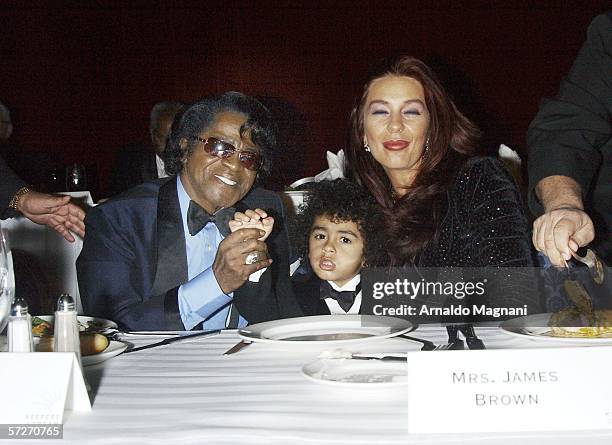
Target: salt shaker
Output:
[
  {"x": 19, "y": 330},
  {"x": 66, "y": 331}
]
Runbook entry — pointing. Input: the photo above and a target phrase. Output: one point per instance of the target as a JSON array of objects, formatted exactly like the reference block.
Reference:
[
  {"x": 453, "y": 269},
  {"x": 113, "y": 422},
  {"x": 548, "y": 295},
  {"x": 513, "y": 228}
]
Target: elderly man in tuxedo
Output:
[{"x": 161, "y": 255}]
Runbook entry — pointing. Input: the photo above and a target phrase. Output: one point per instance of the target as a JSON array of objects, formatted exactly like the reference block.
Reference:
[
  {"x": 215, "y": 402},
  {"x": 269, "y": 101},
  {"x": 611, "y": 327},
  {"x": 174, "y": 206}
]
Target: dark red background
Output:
[{"x": 81, "y": 77}]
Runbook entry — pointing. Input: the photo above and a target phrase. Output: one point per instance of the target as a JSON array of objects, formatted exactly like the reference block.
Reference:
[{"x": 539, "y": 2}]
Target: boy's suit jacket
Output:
[{"x": 307, "y": 292}]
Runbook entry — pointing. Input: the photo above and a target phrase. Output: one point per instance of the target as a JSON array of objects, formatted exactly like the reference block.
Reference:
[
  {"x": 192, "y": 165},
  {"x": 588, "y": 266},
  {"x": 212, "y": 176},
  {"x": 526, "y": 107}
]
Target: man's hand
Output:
[
  {"x": 229, "y": 267},
  {"x": 257, "y": 219},
  {"x": 559, "y": 232},
  {"x": 565, "y": 226},
  {"x": 55, "y": 212}
]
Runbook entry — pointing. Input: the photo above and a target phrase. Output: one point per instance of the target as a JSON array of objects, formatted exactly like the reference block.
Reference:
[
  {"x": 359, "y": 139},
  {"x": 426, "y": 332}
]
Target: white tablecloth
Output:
[{"x": 188, "y": 393}]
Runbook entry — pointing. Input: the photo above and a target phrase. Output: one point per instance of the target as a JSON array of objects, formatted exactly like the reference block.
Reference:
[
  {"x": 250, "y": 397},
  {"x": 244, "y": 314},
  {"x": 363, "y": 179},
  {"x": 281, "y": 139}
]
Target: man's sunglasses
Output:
[{"x": 250, "y": 160}]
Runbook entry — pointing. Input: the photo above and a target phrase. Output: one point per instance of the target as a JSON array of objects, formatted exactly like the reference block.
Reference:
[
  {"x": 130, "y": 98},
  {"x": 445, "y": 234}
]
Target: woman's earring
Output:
[
  {"x": 366, "y": 147},
  {"x": 426, "y": 147}
]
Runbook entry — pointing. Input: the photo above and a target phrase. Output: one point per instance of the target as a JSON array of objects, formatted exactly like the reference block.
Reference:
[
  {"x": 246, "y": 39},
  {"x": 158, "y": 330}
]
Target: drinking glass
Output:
[
  {"x": 5, "y": 290},
  {"x": 56, "y": 180},
  {"x": 75, "y": 178}
]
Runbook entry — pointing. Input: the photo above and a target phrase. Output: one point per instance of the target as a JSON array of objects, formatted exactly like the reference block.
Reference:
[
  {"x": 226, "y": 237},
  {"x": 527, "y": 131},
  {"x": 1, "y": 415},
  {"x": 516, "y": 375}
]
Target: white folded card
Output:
[
  {"x": 37, "y": 387},
  {"x": 509, "y": 390}
]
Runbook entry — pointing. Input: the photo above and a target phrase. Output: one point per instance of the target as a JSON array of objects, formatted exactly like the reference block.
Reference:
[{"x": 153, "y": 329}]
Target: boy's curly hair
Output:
[{"x": 340, "y": 200}]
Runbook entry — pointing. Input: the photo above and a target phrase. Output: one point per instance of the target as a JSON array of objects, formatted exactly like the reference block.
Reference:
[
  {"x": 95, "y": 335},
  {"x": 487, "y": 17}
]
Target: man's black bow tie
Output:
[
  {"x": 345, "y": 298},
  {"x": 197, "y": 218}
]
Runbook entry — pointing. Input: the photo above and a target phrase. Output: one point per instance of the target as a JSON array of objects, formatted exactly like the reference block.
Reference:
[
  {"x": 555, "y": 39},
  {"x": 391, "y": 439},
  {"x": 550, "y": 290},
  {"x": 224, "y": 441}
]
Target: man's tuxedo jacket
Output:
[{"x": 134, "y": 260}]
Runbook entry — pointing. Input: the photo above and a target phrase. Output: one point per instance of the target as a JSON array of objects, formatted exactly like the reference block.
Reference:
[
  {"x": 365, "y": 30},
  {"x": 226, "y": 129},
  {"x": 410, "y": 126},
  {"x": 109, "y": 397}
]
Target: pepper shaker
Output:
[{"x": 19, "y": 330}]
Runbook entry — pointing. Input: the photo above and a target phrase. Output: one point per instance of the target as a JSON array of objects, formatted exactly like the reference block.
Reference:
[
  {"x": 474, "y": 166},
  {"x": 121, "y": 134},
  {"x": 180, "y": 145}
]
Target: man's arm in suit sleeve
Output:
[
  {"x": 565, "y": 143},
  {"x": 272, "y": 297},
  {"x": 9, "y": 185},
  {"x": 116, "y": 274},
  {"x": 115, "y": 277},
  {"x": 566, "y": 136}
]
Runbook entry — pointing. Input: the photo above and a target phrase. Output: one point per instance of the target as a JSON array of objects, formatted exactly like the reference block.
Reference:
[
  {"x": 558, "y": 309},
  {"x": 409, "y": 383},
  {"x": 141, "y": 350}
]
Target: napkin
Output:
[
  {"x": 506, "y": 154},
  {"x": 335, "y": 162},
  {"x": 512, "y": 161}
]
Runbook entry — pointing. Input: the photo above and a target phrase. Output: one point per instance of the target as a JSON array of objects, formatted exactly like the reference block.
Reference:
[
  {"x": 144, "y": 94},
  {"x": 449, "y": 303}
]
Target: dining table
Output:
[{"x": 190, "y": 392}]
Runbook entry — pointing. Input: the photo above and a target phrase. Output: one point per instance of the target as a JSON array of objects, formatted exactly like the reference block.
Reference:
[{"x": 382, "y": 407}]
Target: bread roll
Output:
[{"x": 92, "y": 343}]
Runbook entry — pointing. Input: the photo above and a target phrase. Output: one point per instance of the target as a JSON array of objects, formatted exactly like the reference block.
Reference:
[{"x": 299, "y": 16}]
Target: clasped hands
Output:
[{"x": 249, "y": 231}]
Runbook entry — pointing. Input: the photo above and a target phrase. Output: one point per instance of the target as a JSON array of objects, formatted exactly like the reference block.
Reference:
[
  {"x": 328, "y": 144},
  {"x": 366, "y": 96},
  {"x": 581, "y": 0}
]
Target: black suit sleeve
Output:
[
  {"x": 272, "y": 297},
  {"x": 571, "y": 132},
  {"x": 9, "y": 185},
  {"x": 115, "y": 276},
  {"x": 127, "y": 274}
]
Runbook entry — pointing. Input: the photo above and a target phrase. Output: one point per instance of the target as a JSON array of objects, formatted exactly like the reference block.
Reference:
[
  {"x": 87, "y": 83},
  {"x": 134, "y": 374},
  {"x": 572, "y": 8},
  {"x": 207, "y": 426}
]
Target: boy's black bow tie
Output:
[
  {"x": 345, "y": 298},
  {"x": 197, "y": 218}
]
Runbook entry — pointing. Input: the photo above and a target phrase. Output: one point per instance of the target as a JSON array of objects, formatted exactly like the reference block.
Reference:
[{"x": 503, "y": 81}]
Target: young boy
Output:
[{"x": 338, "y": 230}]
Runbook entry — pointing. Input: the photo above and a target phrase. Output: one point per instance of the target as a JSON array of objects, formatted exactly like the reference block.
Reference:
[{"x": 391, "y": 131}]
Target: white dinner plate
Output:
[
  {"x": 113, "y": 349},
  {"x": 90, "y": 324},
  {"x": 329, "y": 329},
  {"x": 536, "y": 327},
  {"x": 357, "y": 373}
]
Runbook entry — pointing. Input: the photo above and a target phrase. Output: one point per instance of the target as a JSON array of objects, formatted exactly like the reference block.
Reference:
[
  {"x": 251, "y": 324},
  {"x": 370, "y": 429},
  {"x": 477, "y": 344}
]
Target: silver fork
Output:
[
  {"x": 394, "y": 358},
  {"x": 588, "y": 258},
  {"x": 427, "y": 345}
]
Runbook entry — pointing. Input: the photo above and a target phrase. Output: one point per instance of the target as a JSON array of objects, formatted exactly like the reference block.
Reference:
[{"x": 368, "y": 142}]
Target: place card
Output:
[
  {"x": 509, "y": 390},
  {"x": 38, "y": 387}
]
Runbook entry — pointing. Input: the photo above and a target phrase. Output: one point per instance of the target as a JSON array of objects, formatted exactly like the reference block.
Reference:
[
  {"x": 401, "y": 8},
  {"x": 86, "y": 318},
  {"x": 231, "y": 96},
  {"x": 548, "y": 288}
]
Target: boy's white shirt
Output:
[{"x": 334, "y": 307}]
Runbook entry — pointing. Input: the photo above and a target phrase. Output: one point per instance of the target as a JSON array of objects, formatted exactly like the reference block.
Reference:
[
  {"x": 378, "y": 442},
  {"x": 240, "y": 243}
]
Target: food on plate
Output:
[
  {"x": 91, "y": 343},
  {"x": 581, "y": 320},
  {"x": 43, "y": 328},
  {"x": 569, "y": 323}
]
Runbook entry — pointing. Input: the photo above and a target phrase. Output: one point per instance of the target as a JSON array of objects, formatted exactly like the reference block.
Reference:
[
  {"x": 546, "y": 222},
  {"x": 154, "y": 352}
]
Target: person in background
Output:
[
  {"x": 6, "y": 124},
  {"x": 31, "y": 166},
  {"x": 442, "y": 204},
  {"x": 570, "y": 155},
  {"x": 338, "y": 232},
  {"x": 56, "y": 212},
  {"x": 138, "y": 163},
  {"x": 161, "y": 255}
]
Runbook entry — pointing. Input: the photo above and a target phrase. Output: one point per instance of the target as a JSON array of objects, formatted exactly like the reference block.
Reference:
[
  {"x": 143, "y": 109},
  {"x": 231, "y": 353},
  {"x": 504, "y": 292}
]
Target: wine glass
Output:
[
  {"x": 56, "y": 180},
  {"x": 5, "y": 289},
  {"x": 75, "y": 178}
]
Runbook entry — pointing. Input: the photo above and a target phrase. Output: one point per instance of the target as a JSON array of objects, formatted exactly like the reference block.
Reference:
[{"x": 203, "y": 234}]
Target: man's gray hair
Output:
[
  {"x": 5, "y": 114},
  {"x": 163, "y": 109}
]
